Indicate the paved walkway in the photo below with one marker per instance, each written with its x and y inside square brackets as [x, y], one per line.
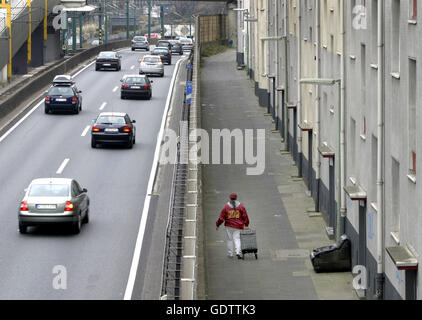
[276, 204]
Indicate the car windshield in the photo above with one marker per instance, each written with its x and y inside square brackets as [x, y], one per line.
[140, 80]
[160, 51]
[107, 55]
[49, 190]
[151, 59]
[139, 39]
[61, 91]
[111, 120]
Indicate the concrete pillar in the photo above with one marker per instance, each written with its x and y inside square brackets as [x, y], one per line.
[3, 74]
[37, 47]
[52, 49]
[19, 61]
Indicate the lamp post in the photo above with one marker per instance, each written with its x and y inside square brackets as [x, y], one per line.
[330, 82]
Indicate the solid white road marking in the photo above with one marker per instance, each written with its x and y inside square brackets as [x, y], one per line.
[103, 105]
[142, 226]
[85, 131]
[115, 88]
[62, 166]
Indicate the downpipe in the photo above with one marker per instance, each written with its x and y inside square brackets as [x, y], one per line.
[317, 105]
[299, 91]
[379, 279]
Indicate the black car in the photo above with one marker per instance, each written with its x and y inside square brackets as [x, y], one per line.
[164, 44]
[140, 42]
[63, 96]
[164, 53]
[108, 60]
[136, 86]
[113, 128]
[176, 47]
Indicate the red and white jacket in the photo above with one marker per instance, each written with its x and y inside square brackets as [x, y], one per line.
[233, 216]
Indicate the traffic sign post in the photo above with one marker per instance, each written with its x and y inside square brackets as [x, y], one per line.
[188, 92]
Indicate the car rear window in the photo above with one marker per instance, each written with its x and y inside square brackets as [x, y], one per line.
[111, 119]
[139, 39]
[160, 51]
[107, 55]
[61, 91]
[140, 80]
[49, 190]
[151, 59]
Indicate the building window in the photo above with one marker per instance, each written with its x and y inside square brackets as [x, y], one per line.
[412, 116]
[363, 73]
[395, 36]
[395, 197]
[413, 9]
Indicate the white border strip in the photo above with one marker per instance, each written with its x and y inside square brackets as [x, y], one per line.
[142, 226]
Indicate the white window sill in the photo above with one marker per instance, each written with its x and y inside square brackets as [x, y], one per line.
[410, 21]
[352, 57]
[374, 66]
[396, 237]
[332, 111]
[363, 137]
[395, 75]
[412, 177]
[352, 180]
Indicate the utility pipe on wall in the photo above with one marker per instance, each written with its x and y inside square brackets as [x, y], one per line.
[286, 83]
[379, 283]
[317, 103]
[299, 89]
[343, 116]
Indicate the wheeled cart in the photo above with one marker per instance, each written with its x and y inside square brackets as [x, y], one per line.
[248, 242]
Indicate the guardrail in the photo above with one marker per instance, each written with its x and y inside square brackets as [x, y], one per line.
[172, 264]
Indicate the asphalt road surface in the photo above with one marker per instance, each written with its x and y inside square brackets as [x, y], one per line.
[97, 261]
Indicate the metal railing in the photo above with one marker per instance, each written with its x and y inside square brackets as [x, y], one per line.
[172, 264]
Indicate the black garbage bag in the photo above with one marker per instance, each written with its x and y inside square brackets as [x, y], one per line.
[333, 258]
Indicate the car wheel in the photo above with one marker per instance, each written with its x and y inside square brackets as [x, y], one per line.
[80, 107]
[149, 97]
[170, 62]
[130, 144]
[23, 228]
[76, 111]
[162, 75]
[93, 143]
[96, 68]
[86, 218]
[76, 226]
[46, 110]
[133, 49]
[122, 96]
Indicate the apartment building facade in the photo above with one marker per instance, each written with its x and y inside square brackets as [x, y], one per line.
[342, 82]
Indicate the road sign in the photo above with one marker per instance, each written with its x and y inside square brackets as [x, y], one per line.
[188, 91]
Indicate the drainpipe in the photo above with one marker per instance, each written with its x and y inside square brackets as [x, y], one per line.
[286, 81]
[275, 84]
[299, 89]
[317, 103]
[267, 48]
[343, 116]
[379, 283]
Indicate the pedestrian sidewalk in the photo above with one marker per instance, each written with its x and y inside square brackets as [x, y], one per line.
[276, 203]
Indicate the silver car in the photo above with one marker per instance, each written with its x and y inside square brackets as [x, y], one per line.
[52, 201]
[151, 64]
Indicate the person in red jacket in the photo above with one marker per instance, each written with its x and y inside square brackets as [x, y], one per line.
[235, 219]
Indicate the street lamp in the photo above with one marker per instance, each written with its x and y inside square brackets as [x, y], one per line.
[331, 82]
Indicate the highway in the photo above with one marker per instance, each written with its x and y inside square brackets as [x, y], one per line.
[97, 260]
